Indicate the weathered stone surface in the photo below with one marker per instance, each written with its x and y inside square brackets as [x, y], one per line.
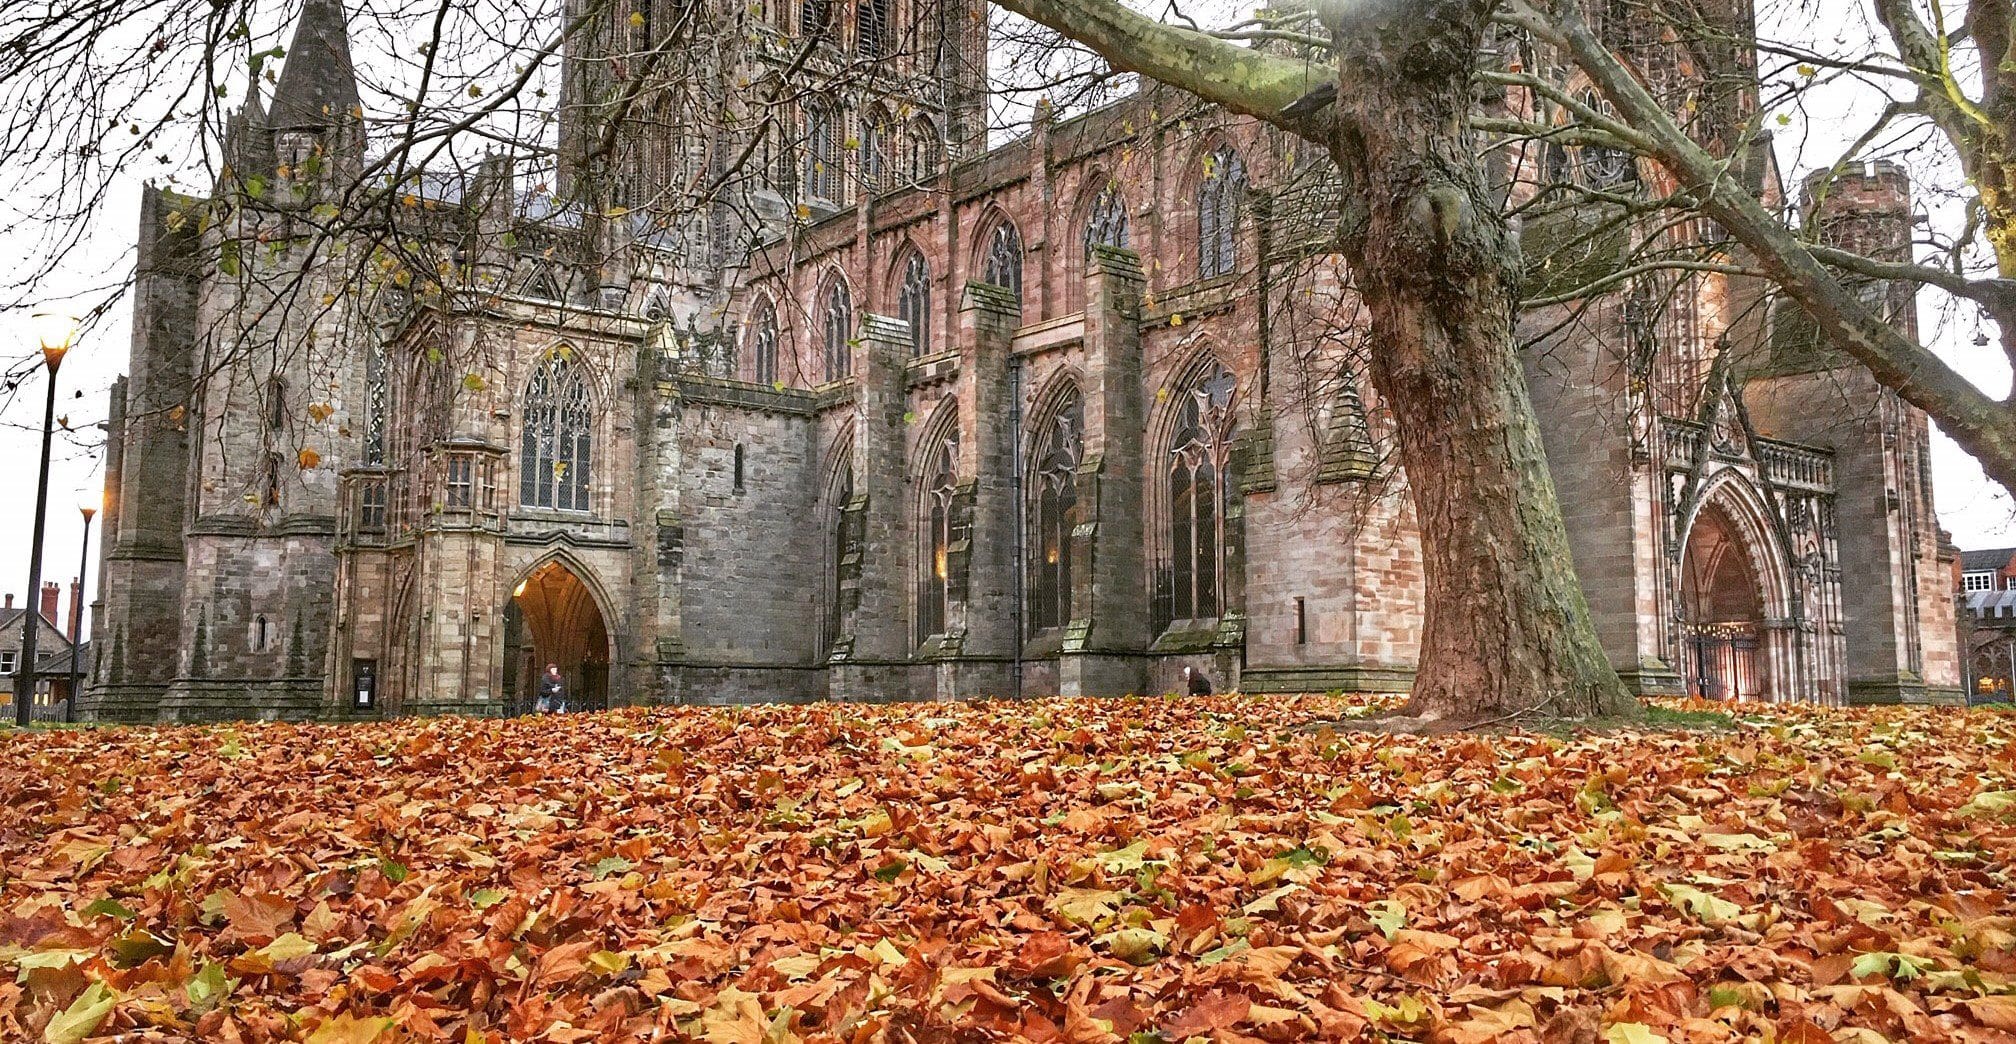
[305, 488]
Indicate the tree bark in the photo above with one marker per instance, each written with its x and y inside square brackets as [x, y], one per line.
[1506, 628]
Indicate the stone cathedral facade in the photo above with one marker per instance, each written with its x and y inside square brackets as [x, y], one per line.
[1068, 414]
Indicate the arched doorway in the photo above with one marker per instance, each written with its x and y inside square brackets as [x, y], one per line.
[552, 617]
[1722, 612]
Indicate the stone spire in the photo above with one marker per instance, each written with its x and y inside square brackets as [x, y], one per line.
[248, 138]
[318, 85]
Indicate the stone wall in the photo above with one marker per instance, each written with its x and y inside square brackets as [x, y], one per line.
[748, 558]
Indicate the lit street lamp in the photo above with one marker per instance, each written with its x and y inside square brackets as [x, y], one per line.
[87, 507]
[56, 333]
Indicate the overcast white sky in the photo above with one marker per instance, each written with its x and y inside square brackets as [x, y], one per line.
[1977, 512]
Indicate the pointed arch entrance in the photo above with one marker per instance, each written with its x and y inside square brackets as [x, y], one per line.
[553, 616]
[1728, 595]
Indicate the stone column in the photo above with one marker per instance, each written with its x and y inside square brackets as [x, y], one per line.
[878, 664]
[1105, 644]
[988, 316]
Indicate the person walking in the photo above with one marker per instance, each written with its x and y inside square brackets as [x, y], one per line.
[552, 691]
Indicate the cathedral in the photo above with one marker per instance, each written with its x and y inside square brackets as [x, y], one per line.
[1077, 412]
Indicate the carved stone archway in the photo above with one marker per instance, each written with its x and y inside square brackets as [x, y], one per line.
[1735, 632]
[554, 615]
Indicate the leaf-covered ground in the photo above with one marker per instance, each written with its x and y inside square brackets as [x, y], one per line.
[1134, 870]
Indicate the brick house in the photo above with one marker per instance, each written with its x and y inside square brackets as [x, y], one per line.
[53, 651]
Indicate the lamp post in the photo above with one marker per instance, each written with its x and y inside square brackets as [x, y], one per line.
[55, 332]
[87, 508]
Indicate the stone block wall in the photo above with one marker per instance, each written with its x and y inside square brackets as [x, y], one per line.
[751, 565]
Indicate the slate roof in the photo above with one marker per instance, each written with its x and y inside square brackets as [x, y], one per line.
[1986, 558]
[318, 83]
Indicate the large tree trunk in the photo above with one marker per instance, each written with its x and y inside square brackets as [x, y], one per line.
[1507, 626]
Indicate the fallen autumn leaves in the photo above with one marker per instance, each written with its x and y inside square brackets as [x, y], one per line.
[1082, 870]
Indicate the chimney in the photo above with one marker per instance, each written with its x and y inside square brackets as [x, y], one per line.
[10, 600]
[52, 594]
[76, 618]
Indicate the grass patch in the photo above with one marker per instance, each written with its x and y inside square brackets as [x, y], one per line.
[1676, 718]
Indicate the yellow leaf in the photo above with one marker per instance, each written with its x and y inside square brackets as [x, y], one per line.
[1708, 908]
[1084, 905]
[309, 459]
[1632, 1033]
[637, 19]
[82, 1017]
[287, 947]
[346, 1029]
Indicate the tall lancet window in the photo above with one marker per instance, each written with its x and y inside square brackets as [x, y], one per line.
[871, 27]
[934, 522]
[922, 147]
[1198, 448]
[877, 137]
[1054, 512]
[1106, 225]
[841, 545]
[822, 153]
[1220, 194]
[815, 18]
[1002, 264]
[763, 344]
[837, 319]
[556, 449]
[913, 302]
[377, 398]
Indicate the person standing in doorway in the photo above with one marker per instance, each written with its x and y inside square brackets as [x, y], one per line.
[552, 691]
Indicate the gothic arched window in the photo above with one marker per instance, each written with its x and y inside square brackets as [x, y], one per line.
[1002, 264]
[763, 343]
[1054, 511]
[1603, 167]
[815, 18]
[822, 152]
[871, 27]
[934, 522]
[874, 161]
[1106, 224]
[556, 448]
[913, 302]
[921, 161]
[1220, 195]
[837, 319]
[1195, 497]
[841, 545]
